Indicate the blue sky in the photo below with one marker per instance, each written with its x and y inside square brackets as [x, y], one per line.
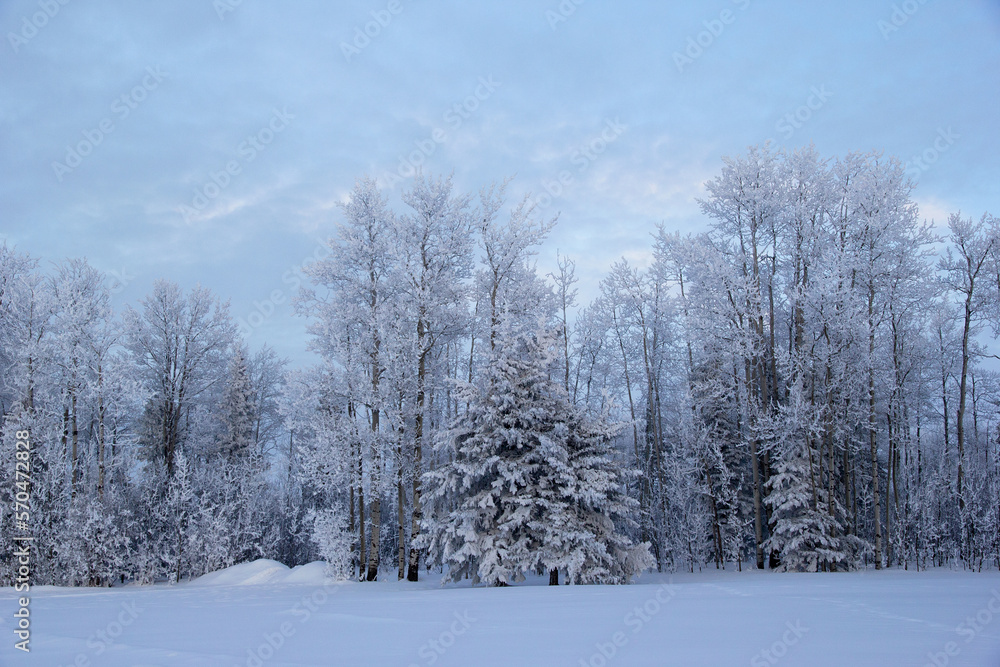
[210, 142]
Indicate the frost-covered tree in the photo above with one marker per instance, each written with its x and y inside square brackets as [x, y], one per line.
[355, 318]
[333, 538]
[807, 535]
[509, 290]
[180, 537]
[744, 204]
[434, 243]
[237, 410]
[101, 515]
[267, 377]
[179, 344]
[594, 543]
[23, 321]
[532, 484]
[79, 345]
[968, 273]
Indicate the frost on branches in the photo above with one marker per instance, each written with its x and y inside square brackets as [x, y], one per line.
[332, 536]
[531, 483]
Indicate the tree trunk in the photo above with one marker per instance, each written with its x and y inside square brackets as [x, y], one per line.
[400, 512]
[413, 569]
[76, 441]
[374, 553]
[758, 527]
[876, 499]
[757, 524]
[872, 429]
[376, 507]
[962, 391]
[714, 508]
[180, 548]
[362, 544]
[100, 433]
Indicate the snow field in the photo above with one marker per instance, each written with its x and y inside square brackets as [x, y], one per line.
[263, 613]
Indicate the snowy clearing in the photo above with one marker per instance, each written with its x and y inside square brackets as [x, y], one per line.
[263, 613]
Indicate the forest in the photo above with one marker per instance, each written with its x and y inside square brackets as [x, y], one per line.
[810, 384]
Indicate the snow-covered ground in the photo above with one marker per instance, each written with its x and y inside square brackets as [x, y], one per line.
[262, 613]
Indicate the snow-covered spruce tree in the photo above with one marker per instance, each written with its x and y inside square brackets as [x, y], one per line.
[801, 534]
[236, 410]
[531, 483]
[806, 535]
[590, 547]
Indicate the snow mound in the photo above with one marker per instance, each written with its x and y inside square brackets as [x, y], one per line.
[264, 571]
[311, 573]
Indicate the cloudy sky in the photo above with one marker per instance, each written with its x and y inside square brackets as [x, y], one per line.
[209, 142]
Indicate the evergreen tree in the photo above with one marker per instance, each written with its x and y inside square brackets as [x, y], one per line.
[590, 546]
[802, 535]
[237, 410]
[808, 533]
[533, 484]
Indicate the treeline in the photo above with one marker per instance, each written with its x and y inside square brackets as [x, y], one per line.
[154, 432]
[803, 386]
[804, 380]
